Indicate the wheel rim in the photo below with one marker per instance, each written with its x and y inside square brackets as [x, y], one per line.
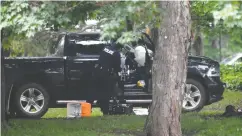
[32, 100]
[192, 97]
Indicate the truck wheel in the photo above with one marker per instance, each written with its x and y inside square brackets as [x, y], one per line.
[31, 101]
[194, 96]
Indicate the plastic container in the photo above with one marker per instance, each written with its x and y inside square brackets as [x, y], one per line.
[86, 109]
[74, 110]
[78, 109]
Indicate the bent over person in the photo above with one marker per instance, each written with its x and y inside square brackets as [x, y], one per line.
[109, 65]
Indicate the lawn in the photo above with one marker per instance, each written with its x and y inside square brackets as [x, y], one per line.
[205, 123]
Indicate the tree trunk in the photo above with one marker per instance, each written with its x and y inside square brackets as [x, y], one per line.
[4, 119]
[154, 35]
[129, 24]
[169, 69]
[198, 43]
[215, 43]
[154, 38]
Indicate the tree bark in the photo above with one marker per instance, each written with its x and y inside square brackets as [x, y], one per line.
[129, 24]
[169, 69]
[154, 37]
[215, 42]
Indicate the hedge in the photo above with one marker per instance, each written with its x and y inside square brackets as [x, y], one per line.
[232, 76]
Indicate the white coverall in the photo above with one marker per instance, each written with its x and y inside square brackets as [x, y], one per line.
[139, 53]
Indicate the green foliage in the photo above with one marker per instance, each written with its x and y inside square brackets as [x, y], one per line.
[206, 16]
[235, 36]
[201, 12]
[231, 43]
[41, 44]
[232, 76]
[25, 18]
[142, 14]
[230, 14]
[29, 17]
[20, 19]
[202, 16]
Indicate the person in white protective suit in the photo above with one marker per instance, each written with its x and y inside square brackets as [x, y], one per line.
[139, 52]
[140, 58]
[140, 55]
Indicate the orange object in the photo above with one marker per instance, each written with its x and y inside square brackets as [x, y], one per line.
[86, 109]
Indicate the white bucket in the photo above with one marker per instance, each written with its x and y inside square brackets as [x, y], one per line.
[141, 111]
[74, 110]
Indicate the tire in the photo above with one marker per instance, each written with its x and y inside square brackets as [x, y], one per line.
[196, 86]
[30, 101]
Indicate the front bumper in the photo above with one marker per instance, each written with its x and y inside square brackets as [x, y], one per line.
[215, 89]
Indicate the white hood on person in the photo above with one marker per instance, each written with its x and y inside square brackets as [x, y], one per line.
[139, 53]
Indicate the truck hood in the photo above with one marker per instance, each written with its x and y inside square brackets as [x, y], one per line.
[193, 60]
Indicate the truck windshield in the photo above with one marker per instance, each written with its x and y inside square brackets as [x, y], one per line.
[85, 44]
[89, 47]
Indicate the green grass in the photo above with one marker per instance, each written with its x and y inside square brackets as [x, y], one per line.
[205, 123]
[230, 97]
[61, 113]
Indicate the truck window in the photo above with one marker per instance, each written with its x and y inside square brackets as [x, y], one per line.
[60, 47]
[87, 45]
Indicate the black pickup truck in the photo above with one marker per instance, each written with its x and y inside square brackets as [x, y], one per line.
[38, 83]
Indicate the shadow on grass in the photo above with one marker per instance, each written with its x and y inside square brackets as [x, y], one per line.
[92, 126]
[219, 117]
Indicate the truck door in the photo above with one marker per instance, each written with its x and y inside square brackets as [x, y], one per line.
[79, 72]
[80, 65]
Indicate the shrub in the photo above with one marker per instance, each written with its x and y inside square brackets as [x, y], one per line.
[232, 76]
